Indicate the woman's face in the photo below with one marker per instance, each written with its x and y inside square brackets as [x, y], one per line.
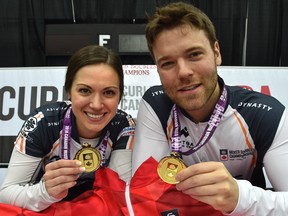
[95, 95]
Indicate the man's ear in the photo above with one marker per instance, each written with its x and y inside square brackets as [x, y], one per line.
[218, 58]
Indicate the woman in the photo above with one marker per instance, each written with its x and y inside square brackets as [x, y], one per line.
[61, 145]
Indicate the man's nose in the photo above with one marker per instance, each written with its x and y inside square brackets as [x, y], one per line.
[184, 68]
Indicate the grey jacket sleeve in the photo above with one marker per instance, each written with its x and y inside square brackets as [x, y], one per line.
[17, 191]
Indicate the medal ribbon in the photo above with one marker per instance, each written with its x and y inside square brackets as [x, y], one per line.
[209, 130]
[66, 135]
[176, 133]
[102, 148]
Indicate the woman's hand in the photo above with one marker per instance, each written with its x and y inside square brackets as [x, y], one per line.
[61, 175]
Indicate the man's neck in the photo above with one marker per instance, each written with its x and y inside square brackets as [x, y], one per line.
[203, 114]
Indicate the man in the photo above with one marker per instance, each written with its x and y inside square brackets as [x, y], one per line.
[207, 141]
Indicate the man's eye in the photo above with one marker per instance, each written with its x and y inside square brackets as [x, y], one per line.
[195, 55]
[167, 65]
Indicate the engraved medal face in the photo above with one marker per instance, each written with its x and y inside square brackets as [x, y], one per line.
[90, 158]
[168, 167]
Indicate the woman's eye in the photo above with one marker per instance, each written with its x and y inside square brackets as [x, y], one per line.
[84, 91]
[109, 93]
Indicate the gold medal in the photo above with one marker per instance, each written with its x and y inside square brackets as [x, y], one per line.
[90, 157]
[168, 167]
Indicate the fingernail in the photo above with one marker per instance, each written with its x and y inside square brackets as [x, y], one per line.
[79, 163]
[82, 169]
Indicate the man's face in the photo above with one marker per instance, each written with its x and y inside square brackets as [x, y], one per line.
[187, 67]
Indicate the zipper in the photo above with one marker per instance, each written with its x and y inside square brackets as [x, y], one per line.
[128, 200]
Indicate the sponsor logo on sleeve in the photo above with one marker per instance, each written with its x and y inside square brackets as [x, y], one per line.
[128, 131]
[32, 122]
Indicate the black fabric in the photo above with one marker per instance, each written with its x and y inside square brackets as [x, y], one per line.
[264, 32]
[228, 17]
[58, 11]
[108, 11]
[284, 41]
[22, 33]
[144, 8]
[22, 27]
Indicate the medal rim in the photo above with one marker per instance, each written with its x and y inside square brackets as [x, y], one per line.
[95, 150]
[162, 161]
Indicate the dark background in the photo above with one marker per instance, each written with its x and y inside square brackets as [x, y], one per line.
[250, 32]
[23, 25]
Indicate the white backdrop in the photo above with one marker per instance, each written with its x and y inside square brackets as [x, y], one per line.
[24, 88]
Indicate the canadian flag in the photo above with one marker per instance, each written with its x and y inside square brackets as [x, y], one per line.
[149, 195]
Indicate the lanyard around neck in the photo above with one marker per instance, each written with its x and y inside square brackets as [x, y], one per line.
[66, 138]
[209, 130]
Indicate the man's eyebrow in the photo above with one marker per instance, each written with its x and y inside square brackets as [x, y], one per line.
[163, 58]
[191, 49]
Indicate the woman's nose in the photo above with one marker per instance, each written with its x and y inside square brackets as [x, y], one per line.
[96, 102]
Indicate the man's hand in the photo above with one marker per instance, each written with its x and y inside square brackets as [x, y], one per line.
[211, 183]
